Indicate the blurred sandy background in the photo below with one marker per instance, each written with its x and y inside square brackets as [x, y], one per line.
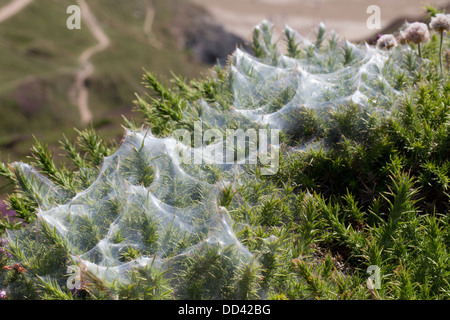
[347, 17]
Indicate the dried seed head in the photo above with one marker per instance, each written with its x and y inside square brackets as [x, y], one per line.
[416, 32]
[387, 41]
[440, 23]
[401, 38]
[18, 268]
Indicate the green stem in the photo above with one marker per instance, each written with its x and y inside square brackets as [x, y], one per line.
[420, 51]
[440, 52]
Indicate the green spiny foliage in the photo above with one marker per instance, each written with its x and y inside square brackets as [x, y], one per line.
[374, 193]
[293, 50]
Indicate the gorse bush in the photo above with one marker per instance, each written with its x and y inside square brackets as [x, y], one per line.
[362, 181]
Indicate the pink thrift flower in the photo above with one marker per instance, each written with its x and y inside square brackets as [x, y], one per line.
[416, 32]
[387, 41]
[440, 23]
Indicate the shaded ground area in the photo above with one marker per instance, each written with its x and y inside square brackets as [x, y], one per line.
[87, 68]
[198, 32]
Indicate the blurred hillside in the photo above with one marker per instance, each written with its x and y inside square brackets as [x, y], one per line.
[347, 17]
[40, 58]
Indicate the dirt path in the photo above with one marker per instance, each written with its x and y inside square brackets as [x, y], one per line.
[87, 69]
[148, 23]
[13, 8]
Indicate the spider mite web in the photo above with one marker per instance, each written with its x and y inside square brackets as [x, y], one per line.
[144, 199]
